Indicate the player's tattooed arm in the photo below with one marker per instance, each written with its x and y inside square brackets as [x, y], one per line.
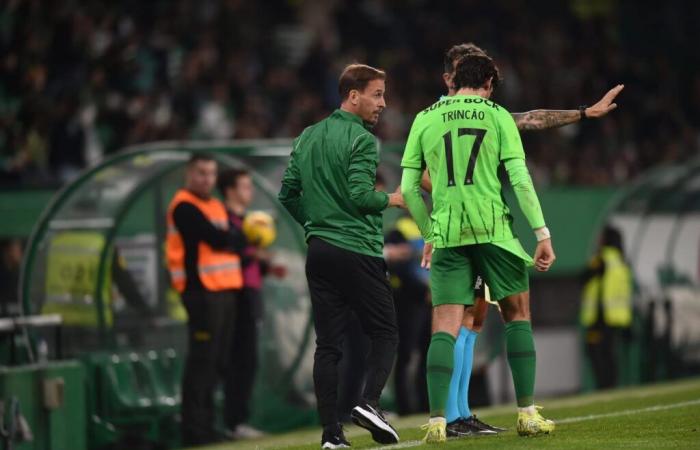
[541, 119]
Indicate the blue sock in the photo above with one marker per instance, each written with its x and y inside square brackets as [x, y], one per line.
[452, 410]
[467, 361]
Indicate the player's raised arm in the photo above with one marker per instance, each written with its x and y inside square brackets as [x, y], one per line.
[540, 119]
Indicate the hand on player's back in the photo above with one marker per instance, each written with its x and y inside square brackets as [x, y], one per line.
[396, 199]
[544, 255]
[605, 104]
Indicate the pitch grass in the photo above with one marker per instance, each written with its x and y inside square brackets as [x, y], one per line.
[655, 417]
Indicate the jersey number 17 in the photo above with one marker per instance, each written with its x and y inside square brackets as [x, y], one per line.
[479, 134]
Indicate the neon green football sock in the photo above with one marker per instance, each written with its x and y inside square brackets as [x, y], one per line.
[521, 356]
[440, 361]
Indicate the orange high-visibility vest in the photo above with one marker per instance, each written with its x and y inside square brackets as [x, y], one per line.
[218, 270]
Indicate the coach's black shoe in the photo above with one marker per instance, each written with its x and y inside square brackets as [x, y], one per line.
[372, 419]
[479, 425]
[333, 437]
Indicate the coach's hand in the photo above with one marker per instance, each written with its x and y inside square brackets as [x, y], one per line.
[396, 199]
[427, 255]
[544, 255]
[605, 104]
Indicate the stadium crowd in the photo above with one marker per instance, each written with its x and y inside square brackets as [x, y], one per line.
[82, 79]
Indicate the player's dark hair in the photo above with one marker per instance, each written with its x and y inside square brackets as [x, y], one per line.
[200, 156]
[229, 178]
[459, 51]
[473, 71]
[357, 77]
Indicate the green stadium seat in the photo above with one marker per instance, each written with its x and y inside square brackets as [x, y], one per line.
[129, 388]
[162, 391]
[136, 394]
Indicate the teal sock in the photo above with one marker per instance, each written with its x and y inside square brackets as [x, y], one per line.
[520, 346]
[440, 361]
[452, 411]
[468, 361]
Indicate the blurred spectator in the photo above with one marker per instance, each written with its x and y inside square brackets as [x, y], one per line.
[72, 281]
[606, 308]
[67, 142]
[10, 261]
[236, 188]
[403, 246]
[80, 79]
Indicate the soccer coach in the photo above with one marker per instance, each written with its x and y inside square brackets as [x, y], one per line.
[328, 188]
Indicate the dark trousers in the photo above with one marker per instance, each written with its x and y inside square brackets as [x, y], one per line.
[601, 342]
[414, 338]
[351, 368]
[238, 386]
[341, 281]
[210, 330]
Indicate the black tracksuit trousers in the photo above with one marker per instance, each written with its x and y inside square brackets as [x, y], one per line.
[340, 281]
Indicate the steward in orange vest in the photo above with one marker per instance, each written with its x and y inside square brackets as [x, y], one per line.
[204, 261]
[201, 265]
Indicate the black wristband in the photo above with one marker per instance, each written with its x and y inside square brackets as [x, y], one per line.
[582, 110]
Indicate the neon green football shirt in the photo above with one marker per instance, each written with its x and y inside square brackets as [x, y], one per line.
[462, 140]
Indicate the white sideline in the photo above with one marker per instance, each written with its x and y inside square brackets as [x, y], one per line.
[629, 412]
[624, 412]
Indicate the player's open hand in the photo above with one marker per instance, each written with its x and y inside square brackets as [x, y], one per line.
[427, 255]
[544, 255]
[605, 104]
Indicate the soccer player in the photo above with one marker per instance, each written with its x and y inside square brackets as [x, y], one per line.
[461, 421]
[328, 188]
[462, 140]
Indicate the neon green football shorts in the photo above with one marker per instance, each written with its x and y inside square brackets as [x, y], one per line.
[453, 272]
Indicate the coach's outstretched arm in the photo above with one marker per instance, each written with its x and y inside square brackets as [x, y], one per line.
[362, 172]
[540, 119]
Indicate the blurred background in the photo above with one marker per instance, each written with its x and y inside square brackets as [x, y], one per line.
[101, 104]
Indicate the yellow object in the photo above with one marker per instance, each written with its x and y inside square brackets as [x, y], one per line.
[534, 424]
[613, 288]
[259, 228]
[437, 432]
[72, 266]
[176, 310]
[408, 228]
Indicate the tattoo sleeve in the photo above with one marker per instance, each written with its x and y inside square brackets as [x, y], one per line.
[541, 119]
